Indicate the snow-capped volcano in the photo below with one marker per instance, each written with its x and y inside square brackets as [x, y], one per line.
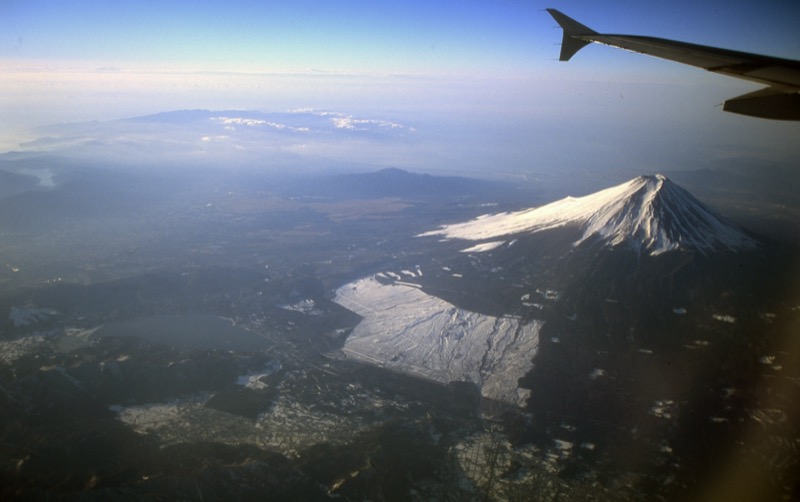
[650, 213]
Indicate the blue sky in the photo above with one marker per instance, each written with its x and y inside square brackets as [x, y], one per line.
[342, 36]
[480, 77]
[359, 35]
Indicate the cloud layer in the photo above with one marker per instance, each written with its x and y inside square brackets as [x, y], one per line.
[232, 137]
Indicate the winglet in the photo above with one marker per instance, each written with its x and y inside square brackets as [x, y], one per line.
[572, 29]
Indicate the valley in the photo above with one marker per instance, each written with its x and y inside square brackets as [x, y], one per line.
[237, 339]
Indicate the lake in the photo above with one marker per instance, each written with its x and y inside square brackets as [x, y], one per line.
[200, 331]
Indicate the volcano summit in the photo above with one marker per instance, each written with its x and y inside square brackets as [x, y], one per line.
[649, 213]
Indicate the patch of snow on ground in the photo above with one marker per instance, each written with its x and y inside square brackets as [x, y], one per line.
[254, 380]
[662, 408]
[407, 330]
[481, 248]
[597, 373]
[549, 294]
[307, 306]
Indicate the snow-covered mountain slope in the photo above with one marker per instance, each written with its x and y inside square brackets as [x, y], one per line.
[407, 330]
[650, 213]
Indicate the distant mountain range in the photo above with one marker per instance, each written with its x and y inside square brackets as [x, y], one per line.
[394, 182]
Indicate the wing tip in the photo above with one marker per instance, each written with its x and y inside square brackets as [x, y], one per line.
[569, 25]
[572, 29]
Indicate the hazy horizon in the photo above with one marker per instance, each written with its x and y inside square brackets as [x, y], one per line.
[479, 82]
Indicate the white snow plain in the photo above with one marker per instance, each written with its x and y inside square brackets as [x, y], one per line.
[407, 330]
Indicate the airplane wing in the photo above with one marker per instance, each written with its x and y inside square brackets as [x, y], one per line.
[779, 100]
